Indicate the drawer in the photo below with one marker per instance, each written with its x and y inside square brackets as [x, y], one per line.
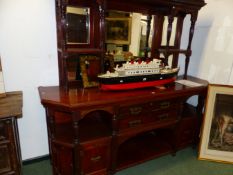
[131, 122]
[133, 110]
[95, 156]
[5, 129]
[162, 116]
[164, 105]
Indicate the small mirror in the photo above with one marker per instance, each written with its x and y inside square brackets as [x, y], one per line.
[78, 25]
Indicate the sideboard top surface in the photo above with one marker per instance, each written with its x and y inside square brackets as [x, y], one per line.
[74, 98]
[11, 104]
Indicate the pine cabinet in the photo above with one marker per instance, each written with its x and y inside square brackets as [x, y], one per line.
[10, 154]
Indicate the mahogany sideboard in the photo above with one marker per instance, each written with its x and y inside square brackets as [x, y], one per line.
[10, 154]
[96, 132]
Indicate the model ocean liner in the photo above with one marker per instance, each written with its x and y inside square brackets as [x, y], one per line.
[138, 74]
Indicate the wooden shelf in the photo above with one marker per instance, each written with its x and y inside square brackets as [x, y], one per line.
[94, 128]
[96, 125]
[140, 149]
[82, 50]
[173, 50]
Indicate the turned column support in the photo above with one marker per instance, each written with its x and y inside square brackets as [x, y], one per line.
[102, 7]
[191, 32]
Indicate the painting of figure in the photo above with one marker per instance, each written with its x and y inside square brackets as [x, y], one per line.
[221, 133]
[217, 130]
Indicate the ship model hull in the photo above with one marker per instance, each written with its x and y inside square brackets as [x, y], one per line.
[137, 81]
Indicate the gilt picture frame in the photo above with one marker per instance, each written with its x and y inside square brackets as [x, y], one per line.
[90, 68]
[217, 129]
[118, 30]
[2, 87]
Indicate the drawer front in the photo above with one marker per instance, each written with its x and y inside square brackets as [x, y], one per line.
[95, 157]
[163, 116]
[130, 122]
[5, 127]
[5, 160]
[133, 111]
[132, 116]
[163, 105]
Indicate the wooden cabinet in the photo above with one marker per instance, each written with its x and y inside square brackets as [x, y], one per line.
[10, 155]
[96, 132]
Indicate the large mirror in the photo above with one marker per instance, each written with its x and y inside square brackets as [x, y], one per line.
[78, 25]
[129, 35]
[126, 35]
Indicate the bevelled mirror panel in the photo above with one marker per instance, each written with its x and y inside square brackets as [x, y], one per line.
[78, 25]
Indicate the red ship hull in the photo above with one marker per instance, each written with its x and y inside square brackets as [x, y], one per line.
[136, 85]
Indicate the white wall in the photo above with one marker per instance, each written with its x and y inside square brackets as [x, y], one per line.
[212, 57]
[29, 58]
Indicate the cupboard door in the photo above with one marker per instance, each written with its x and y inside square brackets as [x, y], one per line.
[187, 131]
[4, 130]
[95, 157]
[5, 160]
[9, 149]
[62, 159]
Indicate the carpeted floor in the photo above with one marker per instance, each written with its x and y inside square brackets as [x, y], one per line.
[184, 163]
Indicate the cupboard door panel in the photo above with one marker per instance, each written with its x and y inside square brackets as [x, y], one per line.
[4, 133]
[5, 161]
[62, 158]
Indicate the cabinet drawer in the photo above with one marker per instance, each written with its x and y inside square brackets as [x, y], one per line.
[5, 129]
[132, 110]
[130, 122]
[163, 116]
[95, 156]
[163, 105]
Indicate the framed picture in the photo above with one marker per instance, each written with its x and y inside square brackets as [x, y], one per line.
[90, 68]
[118, 30]
[217, 130]
[2, 87]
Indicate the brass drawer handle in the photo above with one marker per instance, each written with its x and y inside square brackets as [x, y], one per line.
[96, 158]
[163, 116]
[134, 123]
[135, 110]
[164, 105]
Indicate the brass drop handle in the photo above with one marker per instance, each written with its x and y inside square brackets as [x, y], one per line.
[163, 116]
[164, 105]
[134, 123]
[135, 110]
[96, 158]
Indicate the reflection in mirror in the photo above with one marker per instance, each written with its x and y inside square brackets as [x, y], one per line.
[126, 35]
[78, 22]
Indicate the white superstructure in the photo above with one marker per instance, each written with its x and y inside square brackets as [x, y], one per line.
[139, 68]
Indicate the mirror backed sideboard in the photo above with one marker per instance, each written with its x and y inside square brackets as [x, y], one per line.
[95, 132]
[123, 30]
